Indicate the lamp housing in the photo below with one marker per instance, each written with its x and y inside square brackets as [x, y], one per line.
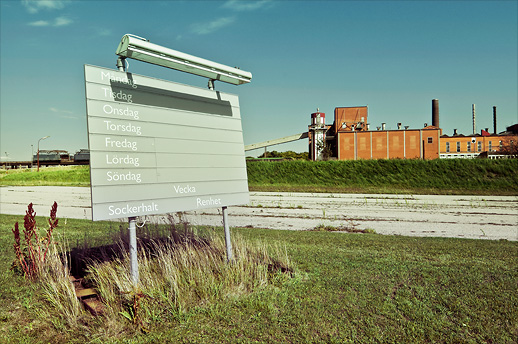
[141, 49]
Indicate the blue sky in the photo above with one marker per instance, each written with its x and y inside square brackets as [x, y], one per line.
[394, 56]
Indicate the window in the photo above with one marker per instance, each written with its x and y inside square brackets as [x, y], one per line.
[479, 146]
[469, 146]
[490, 146]
[458, 146]
[447, 147]
[430, 140]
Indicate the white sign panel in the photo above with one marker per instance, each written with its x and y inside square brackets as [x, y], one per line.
[158, 147]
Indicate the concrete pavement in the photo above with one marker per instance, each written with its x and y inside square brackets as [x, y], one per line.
[475, 217]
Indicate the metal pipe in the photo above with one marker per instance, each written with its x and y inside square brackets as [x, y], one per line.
[474, 115]
[121, 64]
[227, 235]
[133, 249]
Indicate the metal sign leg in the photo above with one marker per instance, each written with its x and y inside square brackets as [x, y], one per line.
[133, 249]
[227, 235]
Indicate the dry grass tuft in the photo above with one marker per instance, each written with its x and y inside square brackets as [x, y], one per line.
[177, 276]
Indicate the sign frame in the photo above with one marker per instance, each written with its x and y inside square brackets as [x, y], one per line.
[157, 146]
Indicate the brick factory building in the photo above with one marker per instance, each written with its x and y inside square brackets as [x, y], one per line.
[485, 144]
[350, 138]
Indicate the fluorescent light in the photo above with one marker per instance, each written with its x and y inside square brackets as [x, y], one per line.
[140, 49]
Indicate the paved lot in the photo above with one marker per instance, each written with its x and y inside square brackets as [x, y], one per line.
[476, 217]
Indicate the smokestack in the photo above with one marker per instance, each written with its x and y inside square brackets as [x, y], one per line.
[435, 112]
[494, 119]
[474, 125]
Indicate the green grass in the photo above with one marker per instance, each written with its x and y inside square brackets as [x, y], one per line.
[347, 288]
[454, 176]
[59, 176]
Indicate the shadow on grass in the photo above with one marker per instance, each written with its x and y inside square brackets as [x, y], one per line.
[149, 238]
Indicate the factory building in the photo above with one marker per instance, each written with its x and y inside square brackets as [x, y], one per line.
[485, 144]
[350, 138]
[489, 145]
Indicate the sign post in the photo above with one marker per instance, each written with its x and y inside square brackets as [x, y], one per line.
[132, 221]
[228, 243]
[133, 249]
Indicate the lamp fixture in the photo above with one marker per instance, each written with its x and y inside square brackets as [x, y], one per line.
[139, 48]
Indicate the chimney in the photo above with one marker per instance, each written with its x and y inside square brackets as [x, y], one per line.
[399, 126]
[383, 126]
[473, 112]
[368, 126]
[494, 120]
[435, 112]
[454, 132]
[406, 127]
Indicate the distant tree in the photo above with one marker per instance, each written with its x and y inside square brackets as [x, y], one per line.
[509, 146]
[326, 150]
[286, 155]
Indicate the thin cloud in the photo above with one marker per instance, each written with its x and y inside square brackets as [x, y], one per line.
[34, 6]
[62, 21]
[210, 27]
[39, 23]
[68, 117]
[103, 32]
[59, 21]
[241, 5]
[53, 109]
[64, 113]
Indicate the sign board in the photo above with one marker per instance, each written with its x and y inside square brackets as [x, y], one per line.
[158, 146]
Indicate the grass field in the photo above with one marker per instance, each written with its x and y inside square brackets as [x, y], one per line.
[453, 176]
[59, 176]
[346, 288]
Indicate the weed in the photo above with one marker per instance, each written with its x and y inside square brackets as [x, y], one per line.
[57, 288]
[31, 255]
